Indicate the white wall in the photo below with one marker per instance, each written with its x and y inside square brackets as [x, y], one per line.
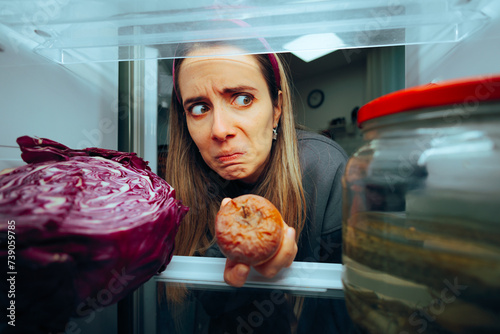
[477, 55]
[347, 87]
[344, 89]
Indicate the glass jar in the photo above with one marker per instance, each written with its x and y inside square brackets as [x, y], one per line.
[421, 216]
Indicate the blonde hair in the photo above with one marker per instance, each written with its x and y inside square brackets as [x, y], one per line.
[202, 190]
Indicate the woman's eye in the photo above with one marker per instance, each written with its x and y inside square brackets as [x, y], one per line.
[199, 109]
[243, 100]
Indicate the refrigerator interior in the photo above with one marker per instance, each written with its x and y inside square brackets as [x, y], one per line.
[96, 73]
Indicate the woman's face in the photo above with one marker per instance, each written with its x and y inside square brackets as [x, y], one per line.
[229, 113]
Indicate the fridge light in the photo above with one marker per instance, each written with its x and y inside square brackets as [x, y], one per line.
[313, 46]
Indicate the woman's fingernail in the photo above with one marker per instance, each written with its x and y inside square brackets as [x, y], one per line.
[291, 233]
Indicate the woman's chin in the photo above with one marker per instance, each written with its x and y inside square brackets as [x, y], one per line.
[240, 175]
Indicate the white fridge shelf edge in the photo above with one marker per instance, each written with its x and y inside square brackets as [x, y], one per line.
[302, 277]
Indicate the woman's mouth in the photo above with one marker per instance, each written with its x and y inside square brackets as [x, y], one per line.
[229, 157]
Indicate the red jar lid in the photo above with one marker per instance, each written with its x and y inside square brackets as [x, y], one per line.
[467, 92]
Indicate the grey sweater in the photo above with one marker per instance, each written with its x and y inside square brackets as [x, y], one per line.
[323, 163]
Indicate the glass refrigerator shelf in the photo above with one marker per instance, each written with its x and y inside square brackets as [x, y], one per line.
[108, 30]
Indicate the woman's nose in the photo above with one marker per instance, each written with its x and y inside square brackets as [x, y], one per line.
[222, 126]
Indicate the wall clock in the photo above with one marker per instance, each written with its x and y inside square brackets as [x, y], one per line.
[315, 98]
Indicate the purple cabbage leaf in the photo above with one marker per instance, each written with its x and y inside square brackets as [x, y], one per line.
[91, 226]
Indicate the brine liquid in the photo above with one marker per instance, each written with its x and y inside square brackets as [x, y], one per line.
[405, 275]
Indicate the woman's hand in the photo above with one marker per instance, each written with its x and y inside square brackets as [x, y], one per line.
[235, 274]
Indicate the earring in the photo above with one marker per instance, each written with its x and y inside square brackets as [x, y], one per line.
[275, 132]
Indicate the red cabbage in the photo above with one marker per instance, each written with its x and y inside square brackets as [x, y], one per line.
[91, 226]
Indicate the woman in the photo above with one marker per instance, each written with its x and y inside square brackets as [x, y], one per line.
[232, 132]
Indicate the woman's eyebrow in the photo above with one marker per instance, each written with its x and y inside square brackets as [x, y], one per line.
[193, 100]
[229, 90]
[239, 89]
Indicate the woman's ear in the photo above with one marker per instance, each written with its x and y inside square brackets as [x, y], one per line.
[277, 110]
